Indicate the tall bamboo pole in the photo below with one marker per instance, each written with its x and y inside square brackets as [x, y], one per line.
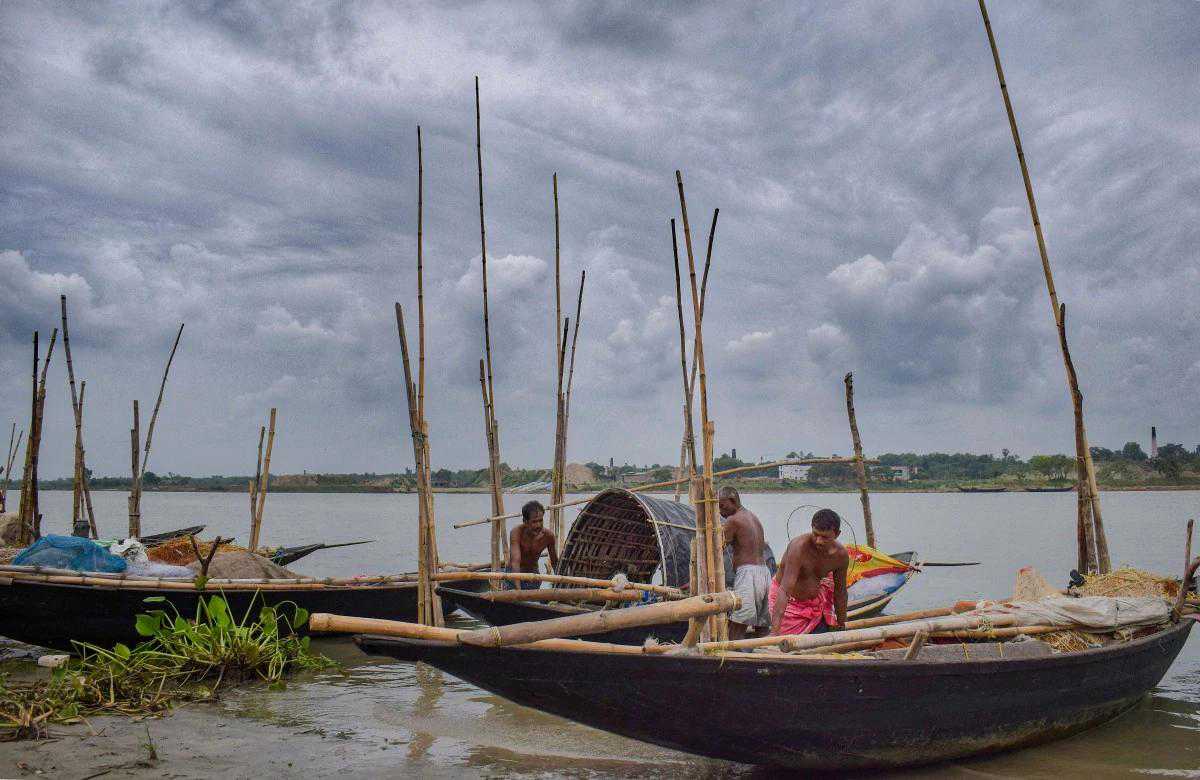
[77, 528]
[84, 488]
[8, 464]
[556, 476]
[27, 471]
[256, 529]
[860, 468]
[1089, 475]
[257, 481]
[135, 504]
[498, 525]
[135, 495]
[499, 540]
[1089, 560]
[689, 436]
[571, 362]
[711, 535]
[31, 521]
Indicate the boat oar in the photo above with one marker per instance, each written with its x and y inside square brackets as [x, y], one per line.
[923, 564]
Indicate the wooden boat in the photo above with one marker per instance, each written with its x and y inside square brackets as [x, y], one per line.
[50, 608]
[283, 556]
[154, 540]
[1067, 489]
[640, 536]
[813, 713]
[968, 489]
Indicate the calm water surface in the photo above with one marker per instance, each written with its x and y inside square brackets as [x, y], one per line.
[412, 720]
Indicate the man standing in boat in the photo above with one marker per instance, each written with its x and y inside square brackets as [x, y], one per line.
[527, 542]
[752, 579]
[808, 592]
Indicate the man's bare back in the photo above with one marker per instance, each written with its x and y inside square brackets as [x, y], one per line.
[744, 534]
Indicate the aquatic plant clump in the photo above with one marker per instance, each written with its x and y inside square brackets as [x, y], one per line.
[176, 662]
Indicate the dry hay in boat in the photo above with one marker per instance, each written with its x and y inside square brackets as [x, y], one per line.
[8, 553]
[1128, 581]
[179, 552]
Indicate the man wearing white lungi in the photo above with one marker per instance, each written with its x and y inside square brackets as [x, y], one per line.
[752, 579]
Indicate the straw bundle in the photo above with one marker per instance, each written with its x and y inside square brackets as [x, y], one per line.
[179, 552]
[1128, 581]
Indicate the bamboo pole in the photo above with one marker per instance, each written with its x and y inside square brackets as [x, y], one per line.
[158, 405]
[895, 631]
[602, 621]
[254, 484]
[557, 579]
[672, 482]
[135, 439]
[135, 494]
[562, 594]
[860, 468]
[1090, 561]
[1101, 541]
[712, 231]
[84, 487]
[556, 476]
[27, 471]
[1187, 564]
[689, 435]
[8, 464]
[77, 476]
[714, 580]
[30, 512]
[256, 529]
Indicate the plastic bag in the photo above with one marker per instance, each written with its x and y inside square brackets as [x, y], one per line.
[70, 552]
[131, 550]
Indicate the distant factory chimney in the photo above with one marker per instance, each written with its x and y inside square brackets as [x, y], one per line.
[1153, 442]
[735, 453]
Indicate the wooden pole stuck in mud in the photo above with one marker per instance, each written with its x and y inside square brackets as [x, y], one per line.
[1088, 474]
[79, 527]
[860, 468]
[257, 481]
[84, 489]
[29, 511]
[263, 485]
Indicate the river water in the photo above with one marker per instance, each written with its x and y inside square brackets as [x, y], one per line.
[404, 720]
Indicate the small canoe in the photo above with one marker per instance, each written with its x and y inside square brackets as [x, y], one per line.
[154, 540]
[814, 713]
[963, 489]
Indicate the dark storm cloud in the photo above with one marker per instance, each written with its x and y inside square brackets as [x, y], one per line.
[249, 168]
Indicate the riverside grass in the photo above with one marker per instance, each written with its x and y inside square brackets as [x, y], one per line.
[181, 660]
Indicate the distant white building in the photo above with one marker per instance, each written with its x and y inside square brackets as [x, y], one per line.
[794, 472]
[896, 473]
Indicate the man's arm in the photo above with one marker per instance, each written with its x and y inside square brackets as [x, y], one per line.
[787, 582]
[552, 549]
[514, 551]
[839, 592]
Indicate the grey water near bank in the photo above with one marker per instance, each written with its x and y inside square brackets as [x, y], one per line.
[381, 719]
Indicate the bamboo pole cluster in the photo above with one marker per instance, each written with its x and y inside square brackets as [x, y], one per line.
[81, 497]
[31, 516]
[499, 546]
[14, 446]
[261, 482]
[138, 463]
[429, 605]
[1092, 541]
[860, 468]
[710, 545]
[565, 376]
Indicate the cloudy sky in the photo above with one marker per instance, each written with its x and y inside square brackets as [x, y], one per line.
[249, 168]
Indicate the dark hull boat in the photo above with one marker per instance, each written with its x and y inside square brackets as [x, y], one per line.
[812, 713]
[53, 614]
[962, 489]
[154, 540]
[1067, 489]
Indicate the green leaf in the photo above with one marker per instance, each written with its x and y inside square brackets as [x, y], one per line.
[148, 625]
[121, 651]
[154, 599]
[300, 619]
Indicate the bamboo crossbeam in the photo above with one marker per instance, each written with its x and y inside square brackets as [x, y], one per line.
[602, 621]
[673, 482]
[562, 594]
[407, 577]
[558, 579]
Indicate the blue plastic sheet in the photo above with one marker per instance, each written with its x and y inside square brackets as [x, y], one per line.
[70, 552]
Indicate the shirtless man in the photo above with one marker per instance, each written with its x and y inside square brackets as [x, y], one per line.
[808, 592]
[526, 543]
[752, 578]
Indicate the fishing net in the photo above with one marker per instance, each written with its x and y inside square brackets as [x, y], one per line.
[179, 552]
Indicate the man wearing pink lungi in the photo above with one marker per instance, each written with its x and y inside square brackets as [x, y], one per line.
[808, 591]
